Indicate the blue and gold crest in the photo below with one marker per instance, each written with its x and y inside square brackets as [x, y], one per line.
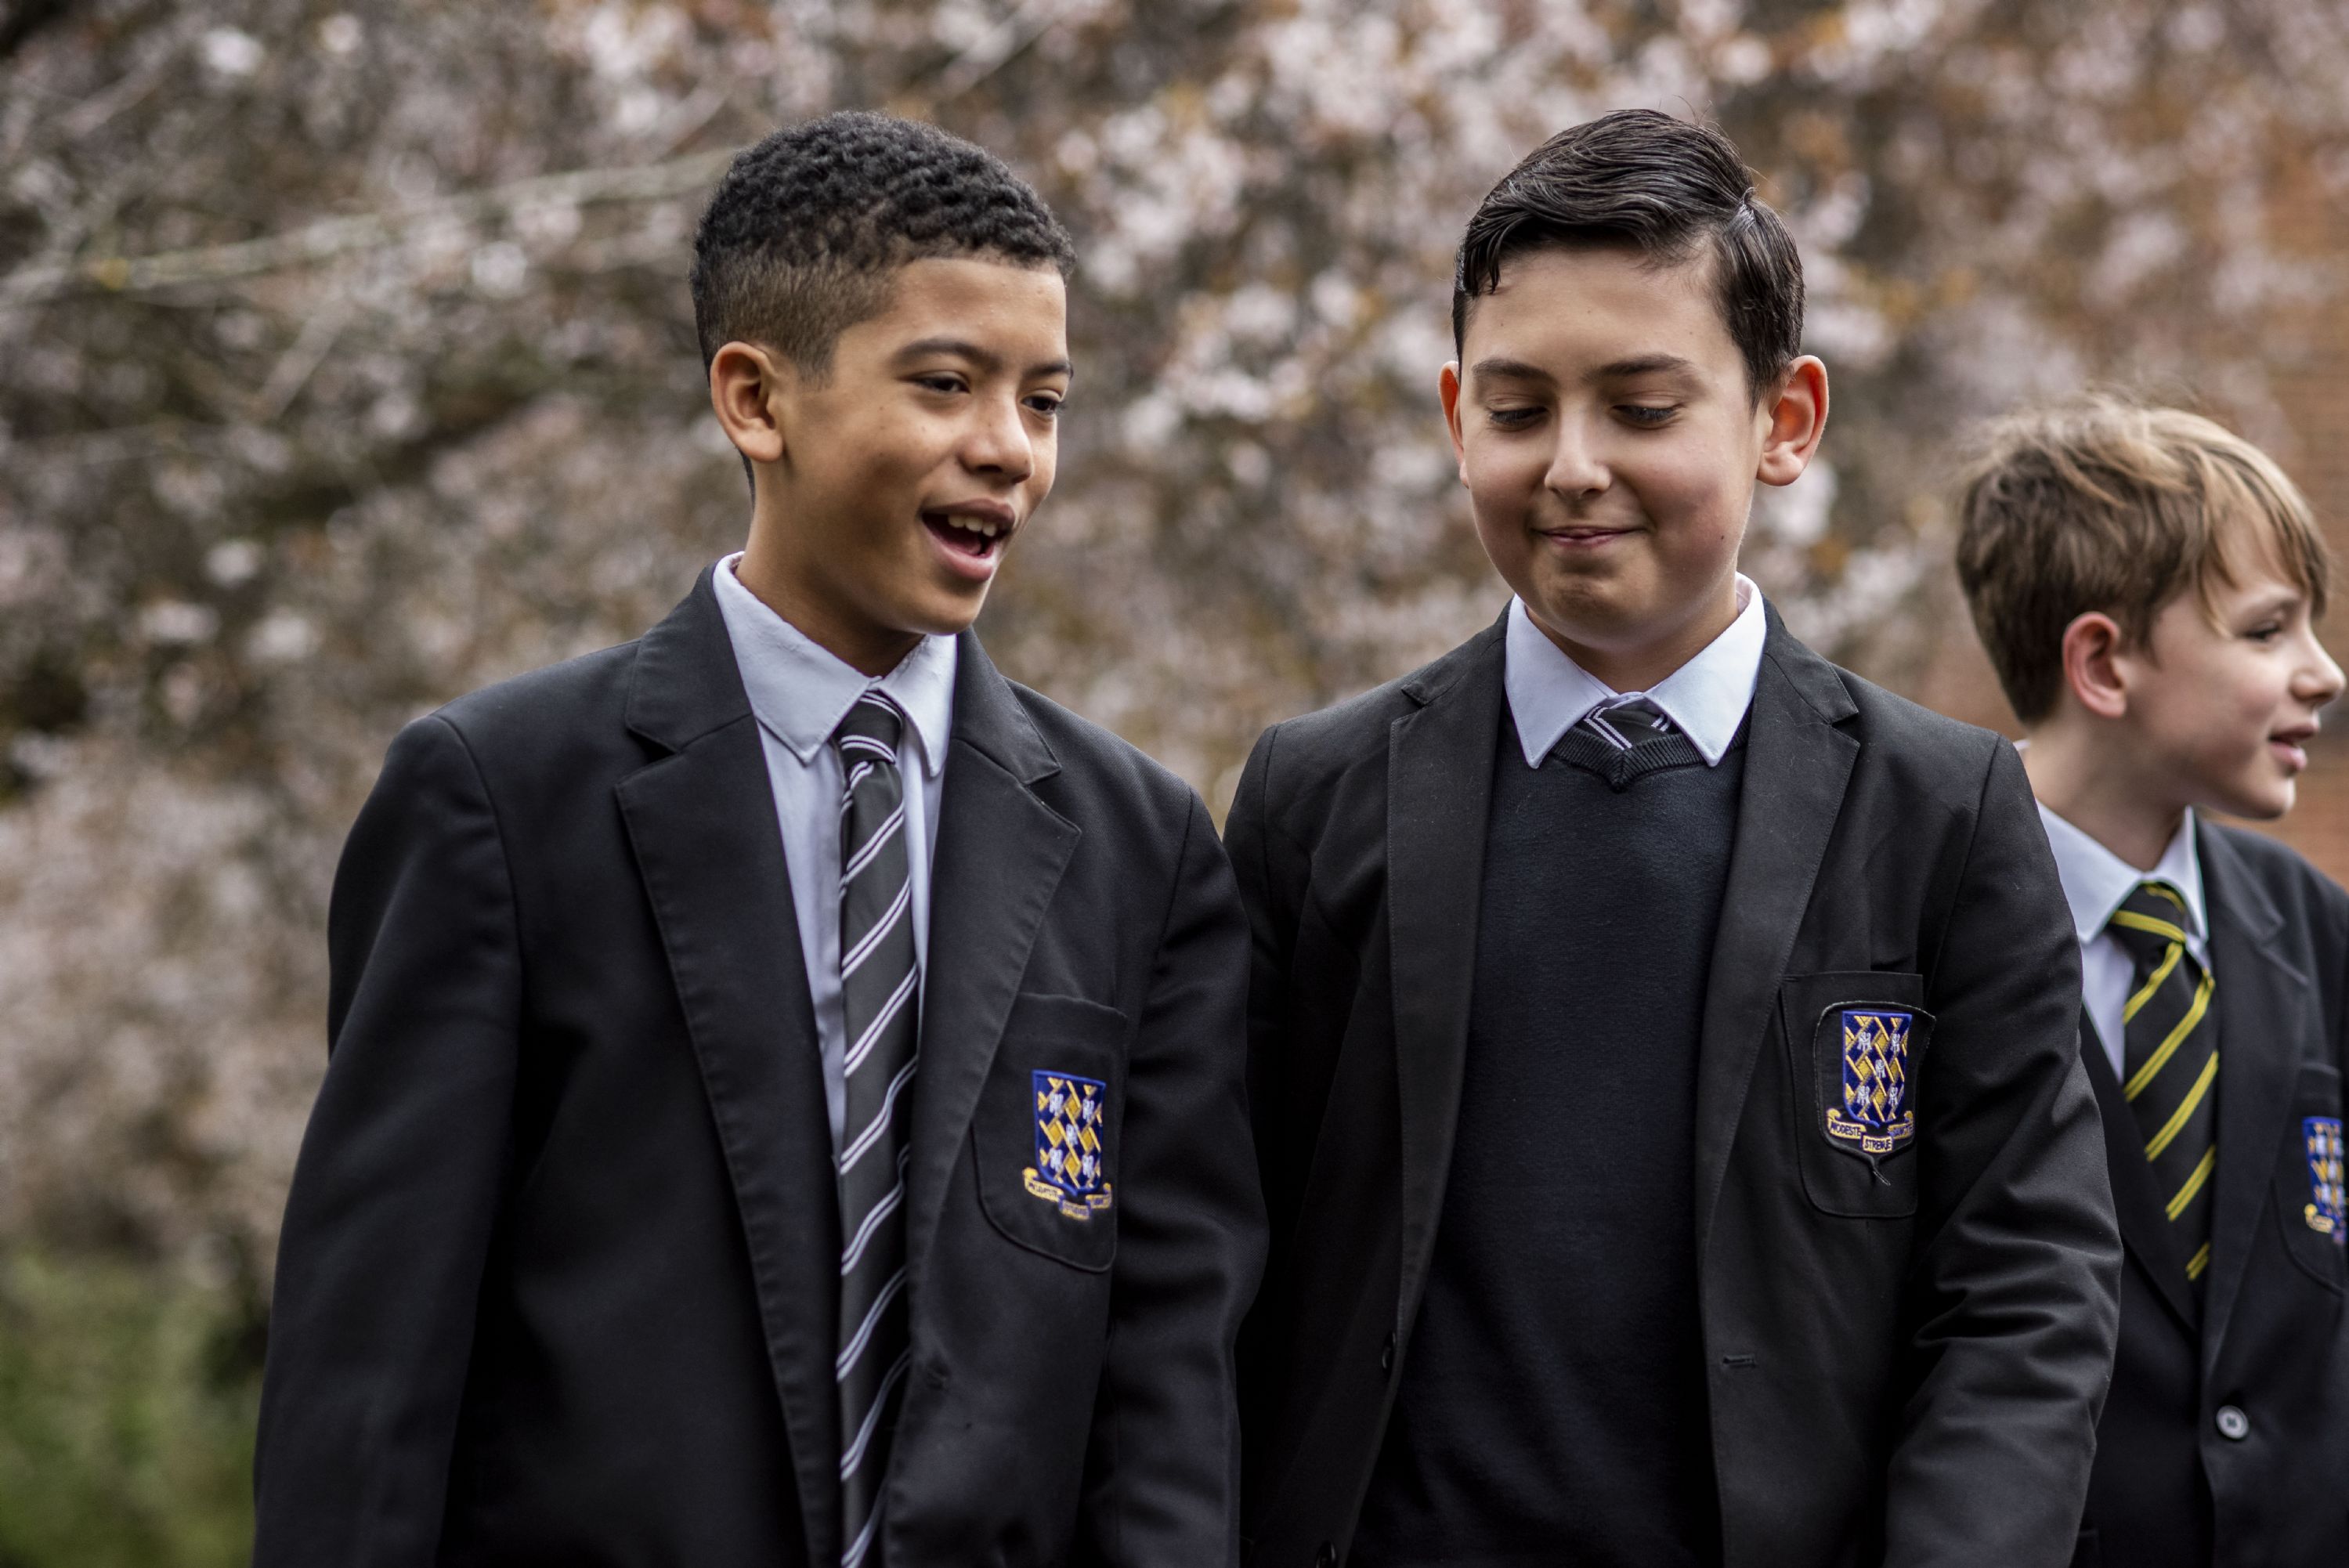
[1875, 1117]
[1072, 1144]
[2326, 1206]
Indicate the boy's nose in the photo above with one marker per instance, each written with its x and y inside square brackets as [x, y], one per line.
[1574, 467]
[2320, 679]
[998, 443]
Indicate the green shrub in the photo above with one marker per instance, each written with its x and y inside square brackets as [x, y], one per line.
[127, 1401]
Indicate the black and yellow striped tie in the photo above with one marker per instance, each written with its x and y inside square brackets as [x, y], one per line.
[2169, 1062]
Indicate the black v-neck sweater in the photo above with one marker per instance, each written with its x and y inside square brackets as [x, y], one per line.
[1552, 1408]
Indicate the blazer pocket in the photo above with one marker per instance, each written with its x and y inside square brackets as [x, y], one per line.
[1855, 1042]
[1046, 1134]
[2308, 1191]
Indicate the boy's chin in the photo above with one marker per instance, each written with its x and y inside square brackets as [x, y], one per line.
[944, 613]
[2254, 799]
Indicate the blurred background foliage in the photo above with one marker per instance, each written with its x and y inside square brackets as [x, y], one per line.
[346, 364]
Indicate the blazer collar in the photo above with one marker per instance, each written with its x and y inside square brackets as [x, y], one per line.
[702, 819]
[701, 822]
[686, 682]
[2137, 1203]
[1799, 762]
[2263, 1003]
[1439, 799]
[1001, 851]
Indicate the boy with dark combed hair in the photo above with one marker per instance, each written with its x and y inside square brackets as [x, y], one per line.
[786, 1096]
[1663, 1045]
[2147, 585]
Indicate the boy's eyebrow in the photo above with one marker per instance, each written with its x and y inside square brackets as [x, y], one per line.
[985, 359]
[1511, 369]
[1620, 369]
[1643, 364]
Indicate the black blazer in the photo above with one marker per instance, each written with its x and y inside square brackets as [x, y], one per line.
[558, 1275]
[1904, 1368]
[2179, 1479]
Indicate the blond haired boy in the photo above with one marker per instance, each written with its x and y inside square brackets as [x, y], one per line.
[2146, 584]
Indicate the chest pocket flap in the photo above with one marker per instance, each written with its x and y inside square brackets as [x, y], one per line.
[1047, 1133]
[1856, 1045]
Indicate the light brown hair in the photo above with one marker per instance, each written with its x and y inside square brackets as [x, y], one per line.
[2105, 504]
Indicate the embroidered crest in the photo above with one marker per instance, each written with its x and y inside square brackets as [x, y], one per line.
[2326, 1207]
[1875, 1117]
[1071, 1151]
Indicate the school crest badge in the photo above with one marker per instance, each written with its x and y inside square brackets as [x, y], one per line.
[2327, 1210]
[1071, 1147]
[1875, 1117]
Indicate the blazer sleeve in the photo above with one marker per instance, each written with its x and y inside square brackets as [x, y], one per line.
[397, 1188]
[2014, 1303]
[1252, 837]
[1162, 1486]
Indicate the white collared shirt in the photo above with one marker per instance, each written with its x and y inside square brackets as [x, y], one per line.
[2096, 881]
[1706, 697]
[800, 693]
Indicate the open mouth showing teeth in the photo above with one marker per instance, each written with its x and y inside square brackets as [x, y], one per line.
[966, 533]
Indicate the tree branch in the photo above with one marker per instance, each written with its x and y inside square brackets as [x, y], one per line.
[333, 237]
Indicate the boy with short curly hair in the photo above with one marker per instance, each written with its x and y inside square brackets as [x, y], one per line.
[2148, 584]
[786, 1102]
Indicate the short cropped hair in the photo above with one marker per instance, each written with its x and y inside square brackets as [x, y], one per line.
[806, 231]
[2101, 503]
[1667, 189]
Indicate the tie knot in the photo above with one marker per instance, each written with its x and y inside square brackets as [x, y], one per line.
[1629, 723]
[2149, 921]
[872, 728]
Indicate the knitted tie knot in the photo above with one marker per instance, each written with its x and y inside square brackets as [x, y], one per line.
[2149, 921]
[1630, 723]
[872, 727]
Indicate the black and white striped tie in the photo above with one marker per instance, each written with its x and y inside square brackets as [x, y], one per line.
[878, 979]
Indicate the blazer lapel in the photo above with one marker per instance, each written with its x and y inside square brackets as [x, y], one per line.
[1796, 766]
[1001, 853]
[703, 830]
[1439, 798]
[702, 822]
[2261, 1000]
[2144, 1227]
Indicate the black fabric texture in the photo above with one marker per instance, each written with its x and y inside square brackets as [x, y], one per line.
[1911, 1377]
[2268, 1336]
[1552, 1408]
[559, 1277]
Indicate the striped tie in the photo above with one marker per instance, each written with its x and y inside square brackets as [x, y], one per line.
[878, 979]
[1626, 741]
[2169, 1060]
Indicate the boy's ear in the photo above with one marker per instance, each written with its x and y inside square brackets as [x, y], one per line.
[747, 387]
[2092, 661]
[1798, 418]
[1447, 387]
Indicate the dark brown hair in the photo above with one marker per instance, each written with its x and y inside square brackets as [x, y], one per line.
[1666, 189]
[807, 230]
[2105, 504]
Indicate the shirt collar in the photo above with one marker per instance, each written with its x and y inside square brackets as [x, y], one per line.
[800, 691]
[2096, 880]
[1706, 697]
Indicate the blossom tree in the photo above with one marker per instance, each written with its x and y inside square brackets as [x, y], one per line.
[348, 364]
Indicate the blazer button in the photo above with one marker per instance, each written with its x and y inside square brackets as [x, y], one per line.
[1327, 1557]
[2233, 1425]
[1386, 1360]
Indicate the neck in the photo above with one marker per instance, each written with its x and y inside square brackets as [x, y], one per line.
[795, 590]
[2076, 775]
[1640, 667]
